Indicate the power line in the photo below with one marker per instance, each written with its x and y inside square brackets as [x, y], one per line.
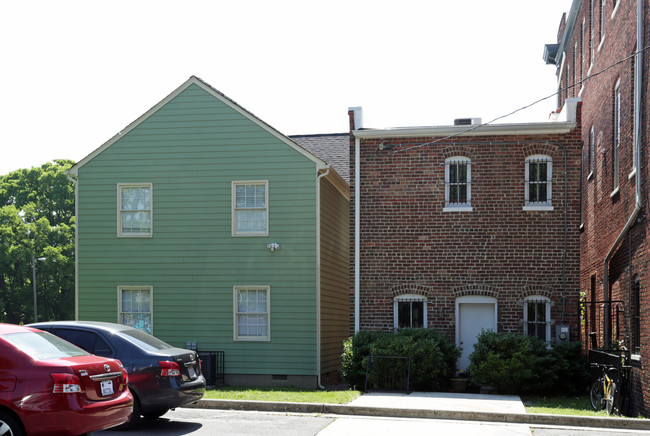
[591, 76]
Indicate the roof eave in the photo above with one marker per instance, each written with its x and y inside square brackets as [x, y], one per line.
[320, 164]
[547, 128]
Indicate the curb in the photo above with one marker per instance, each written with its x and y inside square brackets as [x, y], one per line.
[345, 409]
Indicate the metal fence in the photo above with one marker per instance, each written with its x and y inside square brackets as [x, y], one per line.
[212, 366]
[388, 374]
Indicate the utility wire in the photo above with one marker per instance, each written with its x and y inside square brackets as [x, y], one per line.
[523, 107]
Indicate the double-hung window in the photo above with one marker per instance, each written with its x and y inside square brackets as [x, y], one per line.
[250, 208]
[539, 183]
[617, 136]
[458, 184]
[537, 317]
[135, 307]
[410, 311]
[592, 153]
[635, 341]
[252, 306]
[135, 210]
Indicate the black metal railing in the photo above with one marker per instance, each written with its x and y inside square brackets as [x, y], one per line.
[604, 323]
[212, 366]
[388, 374]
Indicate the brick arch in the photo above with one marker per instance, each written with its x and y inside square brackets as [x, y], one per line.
[482, 290]
[540, 148]
[411, 288]
[457, 150]
[542, 291]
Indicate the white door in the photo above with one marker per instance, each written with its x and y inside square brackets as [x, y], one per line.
[473, 314]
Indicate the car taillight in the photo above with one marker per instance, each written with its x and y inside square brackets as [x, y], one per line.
[125, 375]
[66, 384]
[169, 369]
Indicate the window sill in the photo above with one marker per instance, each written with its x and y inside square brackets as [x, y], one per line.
[458, 209]
[614, 192]
[249, 235]
[252, 339]
[632, 174]
[538, 208]
[602, 42]
[635, 357]
[590, 176]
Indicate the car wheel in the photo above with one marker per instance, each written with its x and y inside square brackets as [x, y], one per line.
[9, 426]
[154, 415]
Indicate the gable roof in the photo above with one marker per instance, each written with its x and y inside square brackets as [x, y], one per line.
[333, 148]
[193, 80]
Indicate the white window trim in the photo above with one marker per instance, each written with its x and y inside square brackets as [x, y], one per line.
[592, 153]
[120, 234]
[234, 209]
[235, 330]
[603, 22]
[547, 301]
[409, 298]
[458, 207]
[618, 2]
[539, 206]
[134, 288]
[616, 172]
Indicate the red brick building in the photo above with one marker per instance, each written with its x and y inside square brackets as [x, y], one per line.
[462, 228]
[600, 57]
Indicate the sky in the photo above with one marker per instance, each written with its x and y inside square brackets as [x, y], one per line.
[75, 73]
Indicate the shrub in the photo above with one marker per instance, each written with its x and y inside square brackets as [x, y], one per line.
[520, 364]
[433, 356]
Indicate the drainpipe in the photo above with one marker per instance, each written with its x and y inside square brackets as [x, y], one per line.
[318, 278]
[357, 215]
[638, 71]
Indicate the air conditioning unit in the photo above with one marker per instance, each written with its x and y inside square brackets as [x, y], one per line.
[467, 121]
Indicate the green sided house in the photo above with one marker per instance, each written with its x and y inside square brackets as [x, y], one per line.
[201, 224]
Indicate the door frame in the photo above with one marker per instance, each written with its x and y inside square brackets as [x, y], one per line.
[476, 299]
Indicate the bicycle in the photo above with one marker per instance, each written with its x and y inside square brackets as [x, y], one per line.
[604, 392]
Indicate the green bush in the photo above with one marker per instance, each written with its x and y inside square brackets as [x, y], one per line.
[520, 364]
[433, 356]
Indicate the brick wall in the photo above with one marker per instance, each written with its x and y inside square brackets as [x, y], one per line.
[410, 245]
[606, 210]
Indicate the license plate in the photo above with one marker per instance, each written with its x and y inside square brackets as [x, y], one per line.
[107, 387]
[191, 371]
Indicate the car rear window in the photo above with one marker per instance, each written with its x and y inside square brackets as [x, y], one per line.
[43, 346]
[145, 340]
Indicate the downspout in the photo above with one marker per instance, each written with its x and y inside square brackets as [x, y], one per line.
[318, 278]
[76, 246]
[638, 71]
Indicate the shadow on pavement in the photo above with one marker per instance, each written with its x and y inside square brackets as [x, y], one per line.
[160, 426]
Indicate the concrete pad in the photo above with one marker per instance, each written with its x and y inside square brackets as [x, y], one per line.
[443, 401]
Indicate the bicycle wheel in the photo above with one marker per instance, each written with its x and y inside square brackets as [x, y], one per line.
[597, 394]
[611, 397]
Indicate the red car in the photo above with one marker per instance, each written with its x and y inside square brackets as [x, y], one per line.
[49, 386]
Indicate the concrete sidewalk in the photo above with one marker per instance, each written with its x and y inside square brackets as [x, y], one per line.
[435, 405]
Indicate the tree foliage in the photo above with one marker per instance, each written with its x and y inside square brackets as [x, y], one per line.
[36, 221]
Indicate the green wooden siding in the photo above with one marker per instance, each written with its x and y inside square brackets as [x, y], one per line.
[191, 150]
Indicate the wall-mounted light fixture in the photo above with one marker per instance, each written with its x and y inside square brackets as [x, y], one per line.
[273, 246]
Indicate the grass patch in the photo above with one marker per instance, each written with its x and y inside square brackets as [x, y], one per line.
[573, 405]
[286, 394]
